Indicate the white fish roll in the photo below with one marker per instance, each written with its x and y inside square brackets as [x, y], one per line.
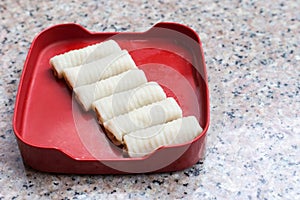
[130, 79]
[145, 141]
[100, 69]
[146, 116]
[123, 102]
[84, 55]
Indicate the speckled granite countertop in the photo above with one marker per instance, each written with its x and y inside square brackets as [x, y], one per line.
[252, 51]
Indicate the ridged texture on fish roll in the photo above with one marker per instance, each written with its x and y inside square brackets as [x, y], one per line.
[146, 116]
[100, 69]
[145, 141]
[123, 102]
[130, 79]
[84, 55]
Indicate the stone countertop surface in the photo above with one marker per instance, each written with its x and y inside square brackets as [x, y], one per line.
[252, 52]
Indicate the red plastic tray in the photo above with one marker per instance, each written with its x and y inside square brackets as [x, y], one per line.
[55, 135]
